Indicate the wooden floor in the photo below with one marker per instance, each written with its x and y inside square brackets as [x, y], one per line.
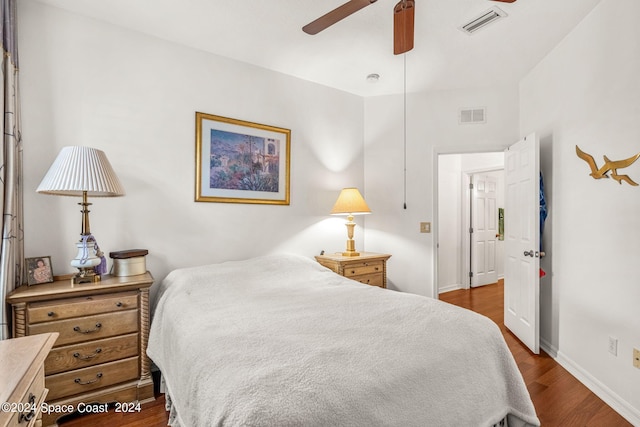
[559, 398]
[151, 415]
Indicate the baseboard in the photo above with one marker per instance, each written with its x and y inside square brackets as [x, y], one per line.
[618, 404]
[449, 288]
[548, 348]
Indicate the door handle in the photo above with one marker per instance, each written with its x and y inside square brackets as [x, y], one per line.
[529, 253]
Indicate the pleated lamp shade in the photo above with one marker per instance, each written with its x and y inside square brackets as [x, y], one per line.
[79, 169]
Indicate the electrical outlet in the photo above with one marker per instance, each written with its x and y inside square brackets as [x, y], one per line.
[613, 346]
[425, 227]
[636, 358]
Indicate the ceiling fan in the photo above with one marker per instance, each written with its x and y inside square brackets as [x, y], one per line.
[403, 18]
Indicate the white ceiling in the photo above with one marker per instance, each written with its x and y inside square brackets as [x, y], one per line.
[268, 33]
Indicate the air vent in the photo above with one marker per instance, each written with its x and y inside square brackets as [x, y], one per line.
[483, 20]
[473, 115]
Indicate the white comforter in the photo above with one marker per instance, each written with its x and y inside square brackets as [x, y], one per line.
[282, 341]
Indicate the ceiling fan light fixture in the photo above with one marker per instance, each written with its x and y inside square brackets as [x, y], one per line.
[484, 19]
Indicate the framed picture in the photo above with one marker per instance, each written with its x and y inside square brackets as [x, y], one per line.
[39, 270]
[241, 162]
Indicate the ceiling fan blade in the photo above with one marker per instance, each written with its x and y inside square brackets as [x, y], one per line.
[403, 18]
[505, 1]
[335, 15]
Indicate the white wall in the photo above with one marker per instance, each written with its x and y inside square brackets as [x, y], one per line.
[586, 92]
[432, 128]
[88, 83]
[450, 220]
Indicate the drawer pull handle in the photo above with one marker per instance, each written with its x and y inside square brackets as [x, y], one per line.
[26, 417]
[79, 381]
[29, 415]
[353, 272]
[119, 304]
[88, 356]
[88, 331]
[50, 314]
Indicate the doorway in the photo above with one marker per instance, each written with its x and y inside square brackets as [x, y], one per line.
[469, 251]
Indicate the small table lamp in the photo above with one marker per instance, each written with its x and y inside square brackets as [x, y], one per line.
[82, 171]
[350, 202]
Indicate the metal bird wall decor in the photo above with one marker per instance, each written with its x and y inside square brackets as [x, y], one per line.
[608, 166]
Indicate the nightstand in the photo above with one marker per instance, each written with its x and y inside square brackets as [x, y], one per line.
[22, 379]
[100, 354]
[368, 267]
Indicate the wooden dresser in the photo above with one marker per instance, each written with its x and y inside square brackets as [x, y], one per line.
[22, 389]
[368, 267]
[100, 354]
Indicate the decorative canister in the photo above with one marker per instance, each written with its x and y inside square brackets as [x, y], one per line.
[129, 262]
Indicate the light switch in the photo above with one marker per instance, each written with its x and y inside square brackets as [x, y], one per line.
[425, 227]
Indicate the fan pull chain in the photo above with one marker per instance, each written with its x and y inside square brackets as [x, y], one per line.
[405, 130]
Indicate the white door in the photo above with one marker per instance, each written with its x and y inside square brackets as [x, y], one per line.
[522, 241]
[484, 229]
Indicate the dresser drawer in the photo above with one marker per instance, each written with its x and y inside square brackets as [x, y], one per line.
[28, 407]
[89, 327]
[91, 353]
[370, 279]
[360, 268]
[95, 377]
[81, 306]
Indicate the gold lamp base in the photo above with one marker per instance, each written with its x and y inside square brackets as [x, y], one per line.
[85, 275]
[351, 248]
[351, 244]
[354, 253]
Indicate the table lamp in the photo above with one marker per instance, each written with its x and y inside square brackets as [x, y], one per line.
[82, 172]
[350, 202]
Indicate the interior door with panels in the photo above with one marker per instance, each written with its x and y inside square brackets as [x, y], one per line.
[522, 241]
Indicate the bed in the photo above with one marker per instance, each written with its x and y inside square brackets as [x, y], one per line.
[281, 341]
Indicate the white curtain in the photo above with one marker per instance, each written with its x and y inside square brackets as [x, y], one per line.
[11, 204]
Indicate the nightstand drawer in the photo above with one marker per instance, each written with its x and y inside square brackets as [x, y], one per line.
[369, 267]
[89, 327]
[86, 379]
[91, 353]
[81, 306]
[32, 400]
[371, 279]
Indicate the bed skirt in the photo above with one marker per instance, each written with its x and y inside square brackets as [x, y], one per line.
[174, 418]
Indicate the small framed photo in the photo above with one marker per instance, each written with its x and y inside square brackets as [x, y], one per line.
[39, 270]
[241, 162]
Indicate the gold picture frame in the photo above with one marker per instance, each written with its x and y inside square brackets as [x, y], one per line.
[241, 162]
